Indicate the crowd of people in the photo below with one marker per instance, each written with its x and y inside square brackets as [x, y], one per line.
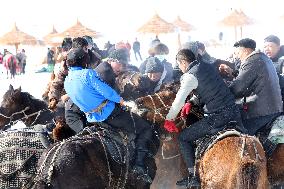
[247, 90]
[13, 64]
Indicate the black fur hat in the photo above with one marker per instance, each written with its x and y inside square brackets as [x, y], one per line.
[246, 43]
[66, 44]
[77, 57]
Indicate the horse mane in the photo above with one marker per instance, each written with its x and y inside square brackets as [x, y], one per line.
[172, 86]
[34, 102]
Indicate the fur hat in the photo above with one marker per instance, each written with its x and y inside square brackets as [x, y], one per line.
[153, 65]
[120, 55]
[273, 39]
[89, 40]
[76, 57]
[246, 43]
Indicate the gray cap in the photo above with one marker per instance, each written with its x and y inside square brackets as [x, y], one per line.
[119, 54]
[153, 65]
[193, 46]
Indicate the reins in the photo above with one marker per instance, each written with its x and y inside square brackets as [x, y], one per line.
[26, 116]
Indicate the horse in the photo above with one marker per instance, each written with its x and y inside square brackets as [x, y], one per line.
[95, 157]
[132, 85]
[234, 161]
[22, 147]
[21, 106]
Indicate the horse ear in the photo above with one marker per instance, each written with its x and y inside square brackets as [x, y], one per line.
[11, 88]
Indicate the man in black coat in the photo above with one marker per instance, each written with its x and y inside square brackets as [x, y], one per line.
[136, 49]
[256, 87]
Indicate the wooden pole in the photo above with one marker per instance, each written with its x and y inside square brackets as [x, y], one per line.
[236, 33]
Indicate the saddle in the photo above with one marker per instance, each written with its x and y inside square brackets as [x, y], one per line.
[271, 135]
[118, 144]
[19, 153]
[205, 143]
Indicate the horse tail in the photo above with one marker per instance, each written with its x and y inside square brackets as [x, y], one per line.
[251, 161]
[249, 175]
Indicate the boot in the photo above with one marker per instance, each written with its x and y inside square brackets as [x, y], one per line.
[191, 181]
[139, 167]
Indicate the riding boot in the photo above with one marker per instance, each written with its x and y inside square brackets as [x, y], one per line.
[191, 181]
[139, 167]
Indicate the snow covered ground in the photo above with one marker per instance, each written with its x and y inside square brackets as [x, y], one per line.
[34, 83]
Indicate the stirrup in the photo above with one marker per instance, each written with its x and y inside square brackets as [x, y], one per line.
[142, 174]
[188, 182]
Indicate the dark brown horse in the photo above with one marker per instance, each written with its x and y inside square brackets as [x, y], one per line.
[236, 161]
[21, 106]
[91, 159]
[132, 85]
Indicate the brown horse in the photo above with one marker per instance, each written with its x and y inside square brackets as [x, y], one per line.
[236, 161]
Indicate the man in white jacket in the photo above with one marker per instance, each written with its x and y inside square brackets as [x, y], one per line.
[219, 106]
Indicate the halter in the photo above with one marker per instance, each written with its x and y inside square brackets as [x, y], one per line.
[129, 80]
[26, 116]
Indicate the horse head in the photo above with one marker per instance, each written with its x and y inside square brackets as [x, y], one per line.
[10, 104]
[17, 105]
[133, 85]
[163, 98]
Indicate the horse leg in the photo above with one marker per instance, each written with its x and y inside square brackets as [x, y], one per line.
[169, 166]
[275, 166]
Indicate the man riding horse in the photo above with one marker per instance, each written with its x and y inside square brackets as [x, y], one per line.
[256, 88]
[211, 91]
[101, 103]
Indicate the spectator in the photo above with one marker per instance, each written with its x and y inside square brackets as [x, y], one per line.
[136, 49]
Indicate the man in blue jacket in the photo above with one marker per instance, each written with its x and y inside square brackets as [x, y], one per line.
[101, 103]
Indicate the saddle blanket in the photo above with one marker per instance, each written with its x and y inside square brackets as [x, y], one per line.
[276, 134]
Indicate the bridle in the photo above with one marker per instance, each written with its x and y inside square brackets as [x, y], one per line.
[129, 80]
[26, 116]
[157, 111]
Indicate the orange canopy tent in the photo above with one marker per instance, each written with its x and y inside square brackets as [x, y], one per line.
[78, 30]
[16, 37]
[182, 26]
[157, 25]
[51, 37]
[236, 19]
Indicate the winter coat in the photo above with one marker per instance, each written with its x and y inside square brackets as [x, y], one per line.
[208, 86]
[50, 57]
[106, 73]
[258, 84]
[136, 46]
[86, 89]
[278, 62]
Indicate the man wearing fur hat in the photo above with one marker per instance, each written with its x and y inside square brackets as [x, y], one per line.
[275, 52]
